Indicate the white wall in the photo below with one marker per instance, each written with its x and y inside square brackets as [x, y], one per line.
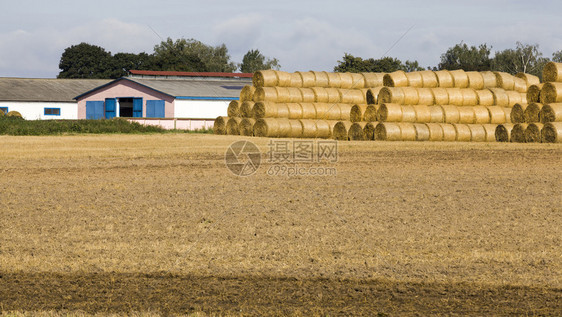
[209, 109]
[35, 110]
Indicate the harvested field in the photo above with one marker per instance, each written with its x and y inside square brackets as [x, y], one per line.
[157, 224]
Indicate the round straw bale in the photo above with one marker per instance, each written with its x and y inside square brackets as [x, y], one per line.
[356, 112]
[370, 114]
[369, 130]
[264, 109]
[475, 80]
[551, 113]
[285, 127]
[513, 97]
[529, 79]
[232, 126]
[372, 95]
[533, 93]
[462, 132]
[320, 94]
[504, 80]
[518, 132]
[358, 81]
[429, 79]
[373, 80]
[395, 79]
[423, 113]
[450, 114]
[308, 79]
[282, 110]
[331, 112]
[444, 79]
[469, 97]
[531, 113]
[391, 95]
[246, 126]
[533, 132]
[283, 78]
[334, 80]
[490, 132]
[466, 115]
[346, 80]
[307, 95]
[265, 94]
[523, 97]
[481, 115]
[341, 129]
[247, 109]
[333, 95]
[308, 110]
[460, 79]
[435, 131]
[489, 79]
[233, 109]
[265, 78]
[322, 110]
[324, 128]
[414, 79]
[503, 132]
[351, 96]
[519, 85]
[551, 93]
[497, 115]
[389, 112]
[247, 93]
[411, 96]
[295, 110]
[408, 114]
[425, 96]
[507, 113]
[517, 112]
[320, 79]
[449, 132]
[296, 80]
[295, 94]
[219, 126]
[500, 97]
[407, 131]
[552, 132]
[356, 132]
[477, 133]
[552, 72]
[422, 132]
[485, 97]
[388, 131]
[455, 96]
[440, 96]
[296, 129]
[437, 115]
[345, 110]
[308, 128]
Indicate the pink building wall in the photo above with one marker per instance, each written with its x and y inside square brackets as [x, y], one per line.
[126, 89]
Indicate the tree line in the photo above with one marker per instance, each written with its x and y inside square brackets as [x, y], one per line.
[90, 61]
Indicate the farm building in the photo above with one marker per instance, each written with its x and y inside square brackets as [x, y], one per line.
[181, 100]
[39, 98]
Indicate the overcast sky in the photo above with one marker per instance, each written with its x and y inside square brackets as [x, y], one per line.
[302, 35]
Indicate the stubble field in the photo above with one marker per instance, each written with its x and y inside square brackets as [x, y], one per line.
[157, 224]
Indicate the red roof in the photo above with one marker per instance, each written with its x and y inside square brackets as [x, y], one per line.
[189, 74]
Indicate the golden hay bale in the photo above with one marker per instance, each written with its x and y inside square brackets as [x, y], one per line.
[284, 127]
[247, 93]
[504, 80]
[449, 132]
[373, 80]
[462, 132]
[444, 79]
[265, 94]
[345, 110]
[324, 128]
[333, 95]
[308, 110]
[346, 80]
[370, 114]
[425, 96]
[323, 111]
[517, 112]
[334, 80]
[283, 94]
[497, 114]
[531, 113]
[296, 129]
[489, 79]
[308, 79]
[232, 126]
[265, 78]
[219, 126]
[435, 131]
[551, 93]
[490, 132]
[358, 81]
[320, 94]
[408, 114]
[296, 80]
[283, 78]
[455, 96]
[341, 129]
[475, 80]
[246, 126]
[503, 132]
[500, 97]
[295, 110]
[356, 132]
[423, 113]
[389, 112]
[450, 114]
[407, 131]
[485, 97]
[460, 79]
[533, 132]
[440, 96]
[414, 79]
[264, 109]
[387, 131]
[308, 128]
[247, 109]
[369, 130]
[391, 95]
[395, 79]
[481, 115]
[529, 79]
[372, 95]
[552, 132]
[437, 115]
[513, 97]
[411, 96]
[233, 109]
[507, 113]
[534, 92]
[551, 113]
[429, 79]
[295, 94]
[422, 132]
[523, 97]
[518, 132]
[519, 85]
[469, 97]
[466, 115]
[477, 133]
[352, 96]
[552, 72]
[282, 110]
[307, 95]
[356, 112]
[320, 79]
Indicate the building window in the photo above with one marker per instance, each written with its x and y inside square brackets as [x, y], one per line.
[52, 111]
[4, 109]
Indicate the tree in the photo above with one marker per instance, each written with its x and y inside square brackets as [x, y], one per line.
[471, 58]
[254, 61]
[557, 56]
[354, 64]
[524, 58]
[124, 62]
[85, 61]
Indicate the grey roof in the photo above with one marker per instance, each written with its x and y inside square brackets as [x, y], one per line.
[42, 89]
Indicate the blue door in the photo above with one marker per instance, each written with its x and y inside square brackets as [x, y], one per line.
[137, 107]
[94, 109]
[155, 109]
[110, 106]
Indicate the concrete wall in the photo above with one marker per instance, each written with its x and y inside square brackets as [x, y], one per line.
[36, 110]
[206, 109]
